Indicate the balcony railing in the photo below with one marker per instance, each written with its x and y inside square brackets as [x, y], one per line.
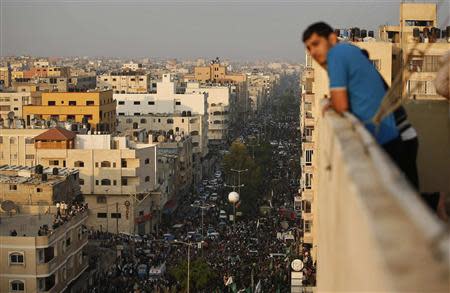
[373, 233]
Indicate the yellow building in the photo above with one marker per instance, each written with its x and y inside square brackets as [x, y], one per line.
[5, 77]
[98, 108]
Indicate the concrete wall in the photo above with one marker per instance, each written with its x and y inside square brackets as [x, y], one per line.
[374, 234]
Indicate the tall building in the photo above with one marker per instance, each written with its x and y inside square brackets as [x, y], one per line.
[96, 108]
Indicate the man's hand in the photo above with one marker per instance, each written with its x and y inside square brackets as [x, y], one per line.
[339, 100]
[326, 105]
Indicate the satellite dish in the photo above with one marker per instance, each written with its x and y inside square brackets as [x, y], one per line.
[8, 205]
[161, 138]
[178, 138]
[11, 115]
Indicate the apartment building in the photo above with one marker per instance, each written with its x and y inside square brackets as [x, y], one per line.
[220, 108]
[124, 82]
[34, 260]
[25, 185]
[260, 87]
[96, 108]
[217, 74]
[177, 126]
[15, 101]
[164, 100]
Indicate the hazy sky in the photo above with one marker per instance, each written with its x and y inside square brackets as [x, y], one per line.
[240, 30]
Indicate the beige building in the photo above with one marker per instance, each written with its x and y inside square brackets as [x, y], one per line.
[195, 126]
[117, 175]
[125, 82]
[24, 185]
[46, 263]
[14, 102]
[37, 254]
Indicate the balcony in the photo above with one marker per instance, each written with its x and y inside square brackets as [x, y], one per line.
[130, 172]
[308, 73]
[386, 238]
[308, 98]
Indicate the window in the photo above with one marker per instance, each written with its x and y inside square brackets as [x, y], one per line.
[29, 157]
[72, 103]
[53, 162]
[16, 109]
[105, 164]
[101, 199]
[96, 182]
[178, 103]
[116, 215]
[129, 120]
[123, 163]
[87, 117]
[68, 242]
[1, 139]
[136, 103]
[121, 114]
[309, 155]
[147, 178]
[308, 180]
[147, 161]
[16, 258]
[143, 120]
[151, 102]
[12, 140]
[38, 189]
[17, 286]
[12, 187]
[124, 181]
[90, 103]
[79, 164]
[101, 215]
[121, 102]
[81, 181]
[51, 103]
[106, 182]
[169, 121]
[29, 140]
[137, 114]
[70, 117]
[307, 227]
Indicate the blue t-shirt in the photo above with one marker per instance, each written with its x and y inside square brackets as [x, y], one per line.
[349, 69]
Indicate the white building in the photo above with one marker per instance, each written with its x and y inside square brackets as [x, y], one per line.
[166, 100]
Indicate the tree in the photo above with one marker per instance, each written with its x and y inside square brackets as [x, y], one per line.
[201, 274]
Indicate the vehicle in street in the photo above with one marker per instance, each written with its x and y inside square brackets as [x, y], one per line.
[222, 214]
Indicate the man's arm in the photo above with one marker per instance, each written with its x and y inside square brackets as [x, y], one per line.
[339, 100]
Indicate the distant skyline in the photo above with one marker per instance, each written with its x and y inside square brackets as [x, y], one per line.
[235, 30]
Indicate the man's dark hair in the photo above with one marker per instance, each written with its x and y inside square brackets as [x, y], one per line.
[321, 28]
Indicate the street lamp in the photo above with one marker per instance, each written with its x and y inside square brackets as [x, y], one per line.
[189, 244]
[233, 198]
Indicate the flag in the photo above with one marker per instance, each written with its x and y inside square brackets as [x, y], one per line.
[233, 288]
[229, 281]
[258, 287]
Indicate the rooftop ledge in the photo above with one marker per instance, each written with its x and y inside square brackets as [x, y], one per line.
[373, 233]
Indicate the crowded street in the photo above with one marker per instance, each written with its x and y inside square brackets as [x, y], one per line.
[228, 250]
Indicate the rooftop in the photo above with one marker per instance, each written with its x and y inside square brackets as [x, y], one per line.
[57, 134]
[27, 175]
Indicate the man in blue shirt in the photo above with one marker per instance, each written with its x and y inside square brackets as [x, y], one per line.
[355, 84]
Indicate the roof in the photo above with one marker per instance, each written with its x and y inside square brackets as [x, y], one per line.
[56, 133]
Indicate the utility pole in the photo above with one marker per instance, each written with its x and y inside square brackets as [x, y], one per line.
[239, 177]
[117, 218]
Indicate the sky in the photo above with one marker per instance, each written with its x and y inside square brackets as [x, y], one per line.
[237, 30]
